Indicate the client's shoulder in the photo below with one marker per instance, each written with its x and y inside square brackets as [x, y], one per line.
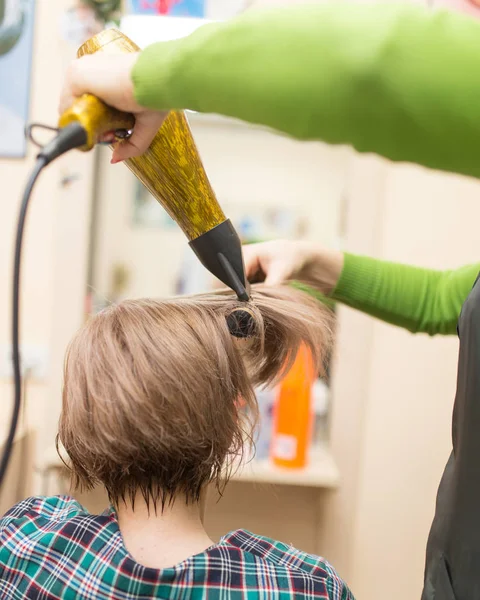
[53, 515]
[51, 508]
[54, 523]
[278, 553]
[284, 558]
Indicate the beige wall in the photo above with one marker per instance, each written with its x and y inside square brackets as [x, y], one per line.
[391, 427]
[37, 263]
[55, 232]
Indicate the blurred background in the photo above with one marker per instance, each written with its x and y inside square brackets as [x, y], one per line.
[380, 422]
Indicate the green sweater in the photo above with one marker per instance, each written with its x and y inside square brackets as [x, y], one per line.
[420, 300]
[394, 79]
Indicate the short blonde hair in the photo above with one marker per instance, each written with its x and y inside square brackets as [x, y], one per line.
[152, 389]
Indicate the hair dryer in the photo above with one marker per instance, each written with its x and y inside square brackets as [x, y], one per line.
[172, 171]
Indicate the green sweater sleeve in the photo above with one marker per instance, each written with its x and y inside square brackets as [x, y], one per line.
[394, 79]
[420, 300]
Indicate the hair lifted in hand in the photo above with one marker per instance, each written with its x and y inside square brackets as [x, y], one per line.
[155, 391]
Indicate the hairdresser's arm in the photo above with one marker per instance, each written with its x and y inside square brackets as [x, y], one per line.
[394, 79]
[420, 300]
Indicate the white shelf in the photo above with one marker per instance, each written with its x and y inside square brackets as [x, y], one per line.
[321, 472]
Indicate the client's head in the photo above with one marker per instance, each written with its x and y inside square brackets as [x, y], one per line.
[159, 396]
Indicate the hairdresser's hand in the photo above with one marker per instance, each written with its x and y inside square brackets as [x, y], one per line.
[108, 76]
[281, 261]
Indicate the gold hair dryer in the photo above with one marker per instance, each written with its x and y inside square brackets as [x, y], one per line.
[171, 170]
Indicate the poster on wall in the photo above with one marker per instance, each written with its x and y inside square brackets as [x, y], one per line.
[172, 8]
[16, 39]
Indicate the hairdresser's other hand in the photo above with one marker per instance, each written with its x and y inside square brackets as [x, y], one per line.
[109, 77]
[280, 261]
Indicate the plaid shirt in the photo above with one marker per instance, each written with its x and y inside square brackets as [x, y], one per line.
[52, 549]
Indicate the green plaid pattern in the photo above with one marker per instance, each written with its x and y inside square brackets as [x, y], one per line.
[52, 549]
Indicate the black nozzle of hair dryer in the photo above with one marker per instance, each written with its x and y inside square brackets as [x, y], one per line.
[220, 251]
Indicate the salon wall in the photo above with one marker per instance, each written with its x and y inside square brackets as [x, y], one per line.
[13, 174]
[393, 392]
[429, 219]
[57, 211]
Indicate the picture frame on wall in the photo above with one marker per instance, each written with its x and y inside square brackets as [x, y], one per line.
[171, 8]
[16, 49]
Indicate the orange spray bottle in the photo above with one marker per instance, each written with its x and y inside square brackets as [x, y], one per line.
[293, 413]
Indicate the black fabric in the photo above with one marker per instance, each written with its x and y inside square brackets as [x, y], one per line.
[452, 569]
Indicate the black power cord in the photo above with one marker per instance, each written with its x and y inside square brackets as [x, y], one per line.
[17, 376]
[72, 136]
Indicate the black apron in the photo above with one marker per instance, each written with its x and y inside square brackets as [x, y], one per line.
[452, 569]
